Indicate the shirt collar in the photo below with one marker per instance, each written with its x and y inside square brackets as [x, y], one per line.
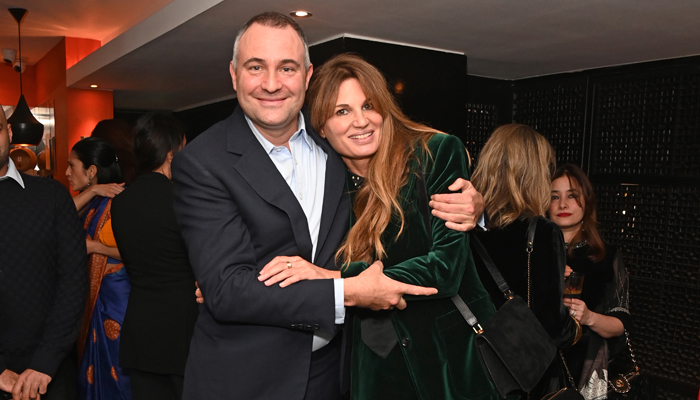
[268, 146]
[13, 173]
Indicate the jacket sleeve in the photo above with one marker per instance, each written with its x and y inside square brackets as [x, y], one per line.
[63, 322]
[443, 265]
[223, 258]
[547, 283]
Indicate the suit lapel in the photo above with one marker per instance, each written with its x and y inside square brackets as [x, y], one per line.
[256, 168]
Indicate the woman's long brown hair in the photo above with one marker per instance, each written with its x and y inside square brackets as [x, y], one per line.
[514, 174]
[377, 201]
[589, 224]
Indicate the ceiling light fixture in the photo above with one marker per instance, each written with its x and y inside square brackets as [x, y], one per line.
[26, 130]
[93, 86]
[300, 14]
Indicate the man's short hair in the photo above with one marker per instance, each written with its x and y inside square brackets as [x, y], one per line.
[273, 20]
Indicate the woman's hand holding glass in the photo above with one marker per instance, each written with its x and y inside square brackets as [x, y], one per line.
[286, 270]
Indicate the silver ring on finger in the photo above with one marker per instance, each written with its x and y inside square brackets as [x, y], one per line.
[573, 313]
[289, 264]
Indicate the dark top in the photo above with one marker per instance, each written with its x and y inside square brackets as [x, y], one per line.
[162, 311]
[43, 279]
[506, 246]
[605, 291]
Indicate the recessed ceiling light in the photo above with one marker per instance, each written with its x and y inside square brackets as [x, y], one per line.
[93, 86]
[301, 14]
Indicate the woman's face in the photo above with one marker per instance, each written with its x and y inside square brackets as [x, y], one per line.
[77, 175]
[564, 209]
[355, 128]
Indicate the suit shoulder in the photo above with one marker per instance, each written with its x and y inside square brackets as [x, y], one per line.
[214, 137]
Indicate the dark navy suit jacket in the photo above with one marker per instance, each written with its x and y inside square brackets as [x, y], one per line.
[237, 213]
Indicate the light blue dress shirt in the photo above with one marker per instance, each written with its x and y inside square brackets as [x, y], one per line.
[303, 167]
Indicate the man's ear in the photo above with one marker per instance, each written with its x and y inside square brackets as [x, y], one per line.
[9, 131]
[232, 71]
[309, 72]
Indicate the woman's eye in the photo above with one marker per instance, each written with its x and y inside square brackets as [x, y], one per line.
[342, 111]
[367, 106]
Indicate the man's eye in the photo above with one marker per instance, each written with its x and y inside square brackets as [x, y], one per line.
[288, 69]
[255, 68]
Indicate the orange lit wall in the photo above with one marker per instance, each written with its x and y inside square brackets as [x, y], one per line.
[78, 48]
[9, 88]
[76, 110]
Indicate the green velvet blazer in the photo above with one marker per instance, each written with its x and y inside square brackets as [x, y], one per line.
[435, 357]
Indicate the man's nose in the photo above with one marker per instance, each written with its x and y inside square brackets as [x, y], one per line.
[271, 83]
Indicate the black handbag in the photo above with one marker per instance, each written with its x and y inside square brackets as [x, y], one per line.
[513, 345]
[569, 391]
[625, 382]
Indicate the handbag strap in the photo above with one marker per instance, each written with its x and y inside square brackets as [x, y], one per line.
[629, 346]
[491, 266]
[530, 239]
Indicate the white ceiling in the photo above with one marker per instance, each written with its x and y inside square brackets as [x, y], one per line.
[174, 54]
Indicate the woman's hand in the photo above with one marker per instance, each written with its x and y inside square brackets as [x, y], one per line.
[567, 271]
[604, 325]
[288, 270]
[199, 298]
[108, 189]
[579, 310]
[95, 246]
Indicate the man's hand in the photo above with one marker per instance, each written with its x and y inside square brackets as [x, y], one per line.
[374, 290]
[7, 380]
[461, 211]
[30, 384]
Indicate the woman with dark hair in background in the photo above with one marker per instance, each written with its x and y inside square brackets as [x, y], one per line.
[119, 136]
[603, 308]
[514, 174]
[92, 161]
[160, 318]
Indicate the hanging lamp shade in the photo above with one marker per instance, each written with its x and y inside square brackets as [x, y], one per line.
[26, 130]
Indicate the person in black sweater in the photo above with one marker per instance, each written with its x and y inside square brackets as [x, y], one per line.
[162, 311]
[43, 281]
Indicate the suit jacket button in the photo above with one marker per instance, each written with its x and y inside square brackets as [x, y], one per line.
[317, 327]
[405, 342]
[309, 328]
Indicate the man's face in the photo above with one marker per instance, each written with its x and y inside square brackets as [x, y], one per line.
[5, 140]
[271, 80]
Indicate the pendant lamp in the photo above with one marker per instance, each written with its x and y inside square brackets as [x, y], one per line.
[26, 130]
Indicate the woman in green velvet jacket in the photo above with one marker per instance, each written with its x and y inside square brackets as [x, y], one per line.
[424, 351]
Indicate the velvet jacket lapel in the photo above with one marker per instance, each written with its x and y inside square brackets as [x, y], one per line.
[256, 168]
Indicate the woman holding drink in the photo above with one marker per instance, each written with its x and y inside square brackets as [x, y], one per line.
[602, 303]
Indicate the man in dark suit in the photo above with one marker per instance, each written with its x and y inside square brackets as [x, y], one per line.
[258, 185]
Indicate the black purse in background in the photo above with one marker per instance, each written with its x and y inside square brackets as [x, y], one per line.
[625, 382]
[513, 345]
